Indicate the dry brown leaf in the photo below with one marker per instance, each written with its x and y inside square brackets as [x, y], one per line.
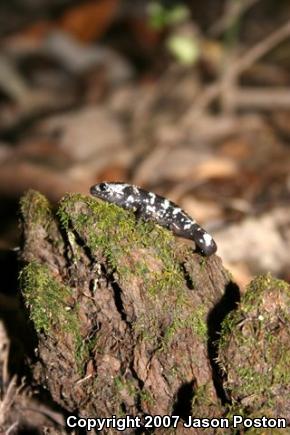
[262, 243]
[182, 163]
[202, 211]
[88, 21]
[113, 173]
[34, 33]
[91, 131]
[215, 168]
[236, 148]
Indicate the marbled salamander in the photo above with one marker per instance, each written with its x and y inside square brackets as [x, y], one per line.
[150, 206]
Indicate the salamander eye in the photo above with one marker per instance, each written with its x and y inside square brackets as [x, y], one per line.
[103, 187]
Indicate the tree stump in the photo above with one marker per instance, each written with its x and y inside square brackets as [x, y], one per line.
[126, 315]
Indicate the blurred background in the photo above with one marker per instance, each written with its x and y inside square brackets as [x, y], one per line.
[190, 99]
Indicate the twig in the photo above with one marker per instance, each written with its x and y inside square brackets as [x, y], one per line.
[261, 48]
[233, 12]
[11, 392]
[12, 427]
[262, 98]
[237, 68]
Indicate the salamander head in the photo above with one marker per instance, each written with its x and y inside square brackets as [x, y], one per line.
[204, 242]
[111, 192]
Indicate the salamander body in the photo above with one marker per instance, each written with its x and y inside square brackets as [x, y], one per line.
[149, 206]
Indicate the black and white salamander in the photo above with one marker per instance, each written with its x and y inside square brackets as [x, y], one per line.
[149, 206]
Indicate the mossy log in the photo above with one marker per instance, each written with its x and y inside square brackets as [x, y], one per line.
[254, 350]
[127, 316]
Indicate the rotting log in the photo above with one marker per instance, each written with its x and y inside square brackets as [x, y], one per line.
[127, 317]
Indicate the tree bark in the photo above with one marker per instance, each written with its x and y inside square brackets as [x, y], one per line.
[126, 315]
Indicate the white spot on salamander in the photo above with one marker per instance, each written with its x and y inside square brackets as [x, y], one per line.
[207, 239]
[118, 188]
[150, 209]
[176, 211]
[165, 204]
[130, 198]
[152, 197]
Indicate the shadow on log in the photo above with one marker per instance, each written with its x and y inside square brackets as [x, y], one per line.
[127, 317]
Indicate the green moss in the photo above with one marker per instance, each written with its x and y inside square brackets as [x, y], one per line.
[281, 372]
[202, 263]
[255, 291]
[146, 397]
[36, 205]
[111, 232]
[47, 300]
[202, 399]
[125, 387]
[254, 346]
[236, 409]
[146, 327]
[115, 233]
[194, 321]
